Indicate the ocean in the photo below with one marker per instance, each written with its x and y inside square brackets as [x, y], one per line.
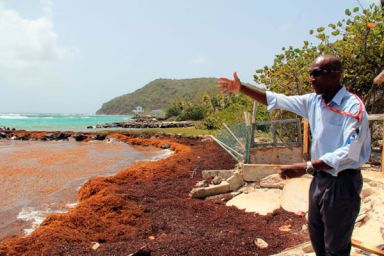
[56, 122]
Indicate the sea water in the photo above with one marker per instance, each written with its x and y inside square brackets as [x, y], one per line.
[38, 178]
[57, 122]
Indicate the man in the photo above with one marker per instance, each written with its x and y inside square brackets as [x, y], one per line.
[340, 145]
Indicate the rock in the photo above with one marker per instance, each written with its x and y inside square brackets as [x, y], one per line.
[79, 137]
[224, 174]
[63, 136]
[272, 181]
[165, 146]
[202, 183]
[217, 180]
[99, 137]
[249, 187]
[260, 243]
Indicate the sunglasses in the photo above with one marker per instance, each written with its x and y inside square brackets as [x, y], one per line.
[318, 72]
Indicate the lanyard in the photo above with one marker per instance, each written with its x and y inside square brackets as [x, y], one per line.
[358, 117]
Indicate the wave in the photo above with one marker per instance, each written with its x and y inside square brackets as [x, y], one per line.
[36, 217]
[13, 116]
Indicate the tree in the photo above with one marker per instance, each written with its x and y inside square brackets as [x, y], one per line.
[358, 40]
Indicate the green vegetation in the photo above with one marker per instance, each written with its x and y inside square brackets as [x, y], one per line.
[159, 94]
[215, 110]
[358, 40]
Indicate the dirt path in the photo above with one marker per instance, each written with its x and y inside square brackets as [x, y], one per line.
[148, 205]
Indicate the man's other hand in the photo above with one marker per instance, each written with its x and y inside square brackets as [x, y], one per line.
[293, 170]
[229, 86]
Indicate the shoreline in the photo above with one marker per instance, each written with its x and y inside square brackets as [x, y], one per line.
[148, 204]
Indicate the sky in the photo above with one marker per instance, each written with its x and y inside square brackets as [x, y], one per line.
[71, 56]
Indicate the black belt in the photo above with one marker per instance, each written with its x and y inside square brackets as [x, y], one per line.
[347, 172]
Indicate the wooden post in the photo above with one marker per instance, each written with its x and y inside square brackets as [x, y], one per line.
[306, 140]
[247, 119]
[382, 152]
[367, 247]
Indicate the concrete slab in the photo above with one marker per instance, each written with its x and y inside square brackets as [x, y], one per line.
[235, 181]
[294, 197]
[262, 201]
[203, 192]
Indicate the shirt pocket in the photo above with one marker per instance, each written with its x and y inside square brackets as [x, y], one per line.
[330, 136]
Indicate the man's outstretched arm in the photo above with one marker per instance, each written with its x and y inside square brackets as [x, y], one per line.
[235, 85]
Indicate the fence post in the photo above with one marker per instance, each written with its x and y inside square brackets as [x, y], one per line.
[306, 140]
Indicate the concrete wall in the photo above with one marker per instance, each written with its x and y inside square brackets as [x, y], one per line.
[276, 155]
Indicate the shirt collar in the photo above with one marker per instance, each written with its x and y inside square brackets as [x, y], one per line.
[339, 95]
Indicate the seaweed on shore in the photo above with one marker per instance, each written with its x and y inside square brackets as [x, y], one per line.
[148, 205]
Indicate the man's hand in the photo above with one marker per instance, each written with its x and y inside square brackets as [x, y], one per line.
[293, 170]
[229, 86]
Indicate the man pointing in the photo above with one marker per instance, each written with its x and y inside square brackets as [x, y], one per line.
[340, 145]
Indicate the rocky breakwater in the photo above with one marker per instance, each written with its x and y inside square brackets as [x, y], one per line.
[13, 134]
[145, 122]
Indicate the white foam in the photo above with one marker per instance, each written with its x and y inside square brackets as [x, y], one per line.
[36, 217]
[71, 205]
[164, 154]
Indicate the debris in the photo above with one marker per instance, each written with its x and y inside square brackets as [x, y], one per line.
[151, 237]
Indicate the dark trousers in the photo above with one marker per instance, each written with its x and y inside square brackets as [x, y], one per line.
[334, 203]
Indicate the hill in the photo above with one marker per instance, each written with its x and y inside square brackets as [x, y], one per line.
[158, 94]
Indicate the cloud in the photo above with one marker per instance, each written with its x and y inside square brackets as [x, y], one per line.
[28, 43]
[200, 60]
